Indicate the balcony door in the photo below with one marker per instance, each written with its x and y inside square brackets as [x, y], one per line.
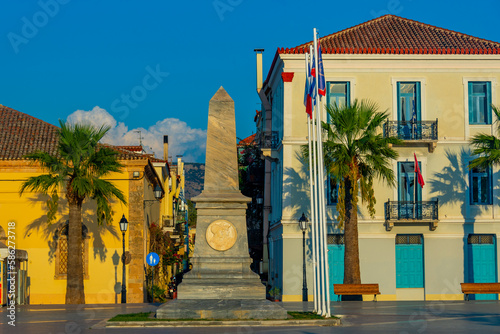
[409, 115]
[409, 192]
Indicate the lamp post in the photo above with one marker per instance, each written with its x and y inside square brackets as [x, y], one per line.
[303, 226]
[123, 228]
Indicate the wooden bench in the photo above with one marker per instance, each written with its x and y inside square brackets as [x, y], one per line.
[356, 289]
[473, 288]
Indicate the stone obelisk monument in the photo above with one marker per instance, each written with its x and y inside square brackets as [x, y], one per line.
[221, 263]
[221, 284]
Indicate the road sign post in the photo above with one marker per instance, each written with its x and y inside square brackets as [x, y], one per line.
[152, 259]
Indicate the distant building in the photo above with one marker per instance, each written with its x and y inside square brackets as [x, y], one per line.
[422, 243]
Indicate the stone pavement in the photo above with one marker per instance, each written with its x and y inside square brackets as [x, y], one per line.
[357, 317]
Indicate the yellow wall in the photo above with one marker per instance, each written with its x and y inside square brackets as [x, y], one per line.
[34, 235]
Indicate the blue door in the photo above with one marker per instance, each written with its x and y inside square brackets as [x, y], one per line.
[409, 261]
[335, 261]
[482, 262]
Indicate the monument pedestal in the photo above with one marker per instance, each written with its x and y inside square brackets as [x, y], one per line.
[221, 309]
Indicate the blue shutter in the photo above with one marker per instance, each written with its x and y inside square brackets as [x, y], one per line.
[398, 84]
[488, 98]
[348, 93]
[418, 102]
[471, 119]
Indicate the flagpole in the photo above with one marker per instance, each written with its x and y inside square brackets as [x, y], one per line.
[321, 192]
[315, 209]
[311, 192]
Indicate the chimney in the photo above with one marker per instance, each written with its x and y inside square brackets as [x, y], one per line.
[165, 148]
[259, 68]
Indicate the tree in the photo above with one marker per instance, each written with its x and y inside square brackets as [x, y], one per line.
[487, 146]
[78, 167]
[356, 153]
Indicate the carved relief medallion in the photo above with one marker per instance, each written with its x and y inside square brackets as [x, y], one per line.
[221, 235]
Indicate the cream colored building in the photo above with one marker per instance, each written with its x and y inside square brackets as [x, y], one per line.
[421, 244]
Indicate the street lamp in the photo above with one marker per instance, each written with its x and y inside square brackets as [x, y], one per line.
[157, 192]
[123, 228]
[303, 226]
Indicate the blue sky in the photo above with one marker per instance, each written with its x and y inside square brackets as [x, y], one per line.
[154, 65]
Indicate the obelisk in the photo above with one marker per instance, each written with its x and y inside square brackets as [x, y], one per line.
[221, 284]
[221, 263]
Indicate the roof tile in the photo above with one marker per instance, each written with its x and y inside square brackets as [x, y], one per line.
[392, 34]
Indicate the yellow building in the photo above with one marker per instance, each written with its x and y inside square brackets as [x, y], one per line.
[437, 86]
[43, 271]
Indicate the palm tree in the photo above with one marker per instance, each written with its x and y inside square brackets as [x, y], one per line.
[487, 146]
[356, 153]
[78, 168]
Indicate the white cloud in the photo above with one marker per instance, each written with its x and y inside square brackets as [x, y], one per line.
[183, 140]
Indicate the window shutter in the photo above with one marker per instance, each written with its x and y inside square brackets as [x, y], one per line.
[488, 99]
[471, 119]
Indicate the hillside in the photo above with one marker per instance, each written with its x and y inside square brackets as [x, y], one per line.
[194, 179]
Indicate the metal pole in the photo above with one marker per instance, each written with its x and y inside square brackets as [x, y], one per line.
[304, 285]
[124, 284]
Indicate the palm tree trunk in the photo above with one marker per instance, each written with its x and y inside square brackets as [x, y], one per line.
[352, 273]
[74, 289]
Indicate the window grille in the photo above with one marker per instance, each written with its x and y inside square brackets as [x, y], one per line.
[480, 239]
[408, 239]
[63, 256]
[335, 239]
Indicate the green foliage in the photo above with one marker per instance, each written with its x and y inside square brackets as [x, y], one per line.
[78, 167]
[355, 150]
[275, 292]
[192, 214]
[487, 147]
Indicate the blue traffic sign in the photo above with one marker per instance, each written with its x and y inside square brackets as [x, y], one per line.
[152, 259]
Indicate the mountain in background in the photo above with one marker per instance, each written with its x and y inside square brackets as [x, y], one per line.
[194, 179]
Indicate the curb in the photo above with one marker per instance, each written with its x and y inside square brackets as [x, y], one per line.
[223, 323]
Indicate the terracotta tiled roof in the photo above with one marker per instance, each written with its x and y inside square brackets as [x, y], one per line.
[391, 34]
[131, 148]
[248, 140]
[21, 134]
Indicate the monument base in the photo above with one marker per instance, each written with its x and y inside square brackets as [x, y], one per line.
[221, 289]
[221, 309]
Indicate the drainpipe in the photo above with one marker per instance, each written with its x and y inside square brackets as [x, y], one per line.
[267, 176]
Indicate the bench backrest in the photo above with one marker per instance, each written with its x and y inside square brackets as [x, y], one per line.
[361, 288]
[480, 287]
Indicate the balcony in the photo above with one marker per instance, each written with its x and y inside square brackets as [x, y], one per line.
[268, 142]
[414, 133]
[411, 213]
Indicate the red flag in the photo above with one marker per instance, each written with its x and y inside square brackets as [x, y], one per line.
[420, 178]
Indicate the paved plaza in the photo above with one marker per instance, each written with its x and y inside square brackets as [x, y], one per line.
[357, 317]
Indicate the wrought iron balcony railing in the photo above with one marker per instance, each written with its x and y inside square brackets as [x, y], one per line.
[411, 212]
[269, 140]
[407, 130]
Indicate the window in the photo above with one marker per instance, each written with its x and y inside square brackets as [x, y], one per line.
[408, 101]
[62, 251]
[409, 115]
[479, 102]
[480, 185]
[332, 190]
[338, 92]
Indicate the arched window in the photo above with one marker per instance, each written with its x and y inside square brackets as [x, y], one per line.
[62, 251]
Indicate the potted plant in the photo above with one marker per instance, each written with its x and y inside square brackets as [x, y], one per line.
[275, 294]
